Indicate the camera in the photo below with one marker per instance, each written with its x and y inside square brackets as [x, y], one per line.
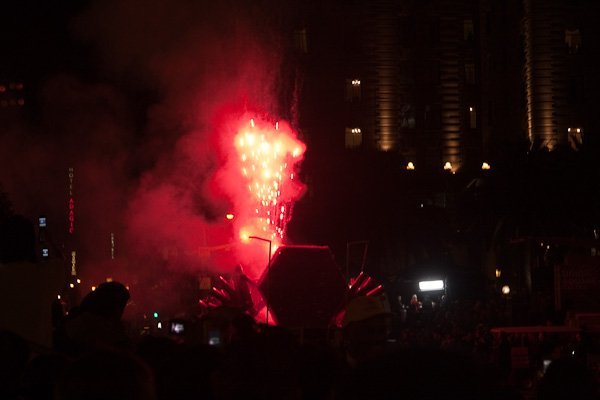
[546, 364]
[177, 327]
[214, 337]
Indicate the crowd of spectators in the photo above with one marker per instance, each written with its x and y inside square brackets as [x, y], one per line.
[445, 353]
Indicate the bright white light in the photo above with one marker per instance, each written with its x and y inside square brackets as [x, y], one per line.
[159, 325]
[505, 289]
[410, 166]
[426, 286]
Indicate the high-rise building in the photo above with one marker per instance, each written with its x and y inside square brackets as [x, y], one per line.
[560, 44]
[438, 86]
[450, 81]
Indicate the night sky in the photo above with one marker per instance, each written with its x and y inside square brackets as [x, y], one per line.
[134, 95]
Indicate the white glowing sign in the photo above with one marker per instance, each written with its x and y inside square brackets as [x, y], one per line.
[426, 286]
[71, 202]
[73, 263]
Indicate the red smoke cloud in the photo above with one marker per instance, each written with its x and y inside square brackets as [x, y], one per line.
[147, 131]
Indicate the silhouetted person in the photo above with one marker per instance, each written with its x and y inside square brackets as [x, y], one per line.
[365, 330]
[568, 379]
[181, 371]
[415, 304]
[419, 374]
[262, 367]
[106, 375]
[14, 354]
[41, 376]
[97, 322]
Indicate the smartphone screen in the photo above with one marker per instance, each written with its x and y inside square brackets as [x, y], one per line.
[214, 338]
[177, 328]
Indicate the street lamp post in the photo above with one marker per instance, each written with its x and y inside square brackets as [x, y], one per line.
[364, 256]
[268, 268]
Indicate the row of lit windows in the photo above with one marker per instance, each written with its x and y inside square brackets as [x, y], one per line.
[575, 138]
[11, 86]
[354, 140]
[12, 102]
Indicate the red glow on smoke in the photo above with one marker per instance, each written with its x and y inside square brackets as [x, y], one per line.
[262, 181]
[268, 158]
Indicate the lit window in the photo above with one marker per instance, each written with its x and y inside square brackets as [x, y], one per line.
[468, 30]
[472, 118]
[573, 40]
[575, 136]
[300, 41]
[353, 138]
[407, 116]
[353, 91]
[470, 73]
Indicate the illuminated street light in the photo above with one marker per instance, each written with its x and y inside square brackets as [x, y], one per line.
[485, 166]
[505, 290]
[410, 166]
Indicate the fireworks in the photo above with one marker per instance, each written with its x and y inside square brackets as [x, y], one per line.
[268, 160]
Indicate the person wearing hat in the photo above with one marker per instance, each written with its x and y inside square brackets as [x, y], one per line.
[365, 330]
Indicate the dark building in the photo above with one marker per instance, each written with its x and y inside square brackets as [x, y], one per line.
[560, 40]
[449, 80]
[409, 102]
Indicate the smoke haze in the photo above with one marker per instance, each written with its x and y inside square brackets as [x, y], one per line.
[144, 129]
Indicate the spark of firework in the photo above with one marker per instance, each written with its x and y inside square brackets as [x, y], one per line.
[269, 157]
